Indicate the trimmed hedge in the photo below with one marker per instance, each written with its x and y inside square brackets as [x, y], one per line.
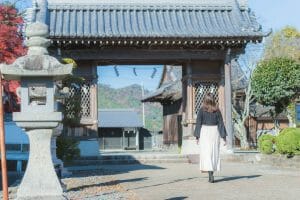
[286, 142]
[266, 143]
[67, 148]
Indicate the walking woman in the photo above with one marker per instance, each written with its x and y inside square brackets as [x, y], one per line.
[209, 129]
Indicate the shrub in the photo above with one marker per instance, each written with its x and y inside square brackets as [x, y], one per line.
[288, 141]
[266, 143]
[67, 148]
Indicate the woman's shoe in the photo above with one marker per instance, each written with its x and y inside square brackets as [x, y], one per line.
[211, 177]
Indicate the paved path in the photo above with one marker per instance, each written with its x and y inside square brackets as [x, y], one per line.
[236, 181]
[184, 181]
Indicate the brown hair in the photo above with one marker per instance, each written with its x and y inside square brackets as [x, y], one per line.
[209, 104]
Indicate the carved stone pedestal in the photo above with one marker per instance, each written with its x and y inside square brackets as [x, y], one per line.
[40, 180]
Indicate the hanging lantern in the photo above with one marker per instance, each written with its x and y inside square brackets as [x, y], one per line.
[116, 71]
[134, 71]
[154, 72]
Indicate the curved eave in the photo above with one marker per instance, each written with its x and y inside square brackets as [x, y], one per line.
[166, 93]
[150, 41]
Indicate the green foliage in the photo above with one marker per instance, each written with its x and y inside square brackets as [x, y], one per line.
[276, 82]
[129, 97]
[288, 141]
[72, 107]
[284, 43]
[266, 143]
[69, 61]
[291, 32]
[67, 148]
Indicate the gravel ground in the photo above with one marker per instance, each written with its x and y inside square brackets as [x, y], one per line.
[89, 185]
[95, 185]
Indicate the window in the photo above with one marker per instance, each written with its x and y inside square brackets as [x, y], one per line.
[201, 89]
[13, 147]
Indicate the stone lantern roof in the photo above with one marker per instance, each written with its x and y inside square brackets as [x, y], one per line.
[37, 63]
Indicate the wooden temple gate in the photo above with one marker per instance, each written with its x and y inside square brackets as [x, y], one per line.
[201, 36]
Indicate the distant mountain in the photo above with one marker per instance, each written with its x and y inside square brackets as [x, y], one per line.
[129, 97]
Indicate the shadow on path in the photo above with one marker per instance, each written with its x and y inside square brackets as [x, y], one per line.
[177, 198]
[232, 178]
[111, 169]
[174, 181]
[110, 183]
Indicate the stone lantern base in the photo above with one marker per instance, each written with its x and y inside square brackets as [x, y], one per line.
[40, 180]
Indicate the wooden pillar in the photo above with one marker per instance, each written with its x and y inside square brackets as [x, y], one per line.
[123, 139]
[189, 103]
[94, 107]
[228, 100]
[222, 91]
[137, 142]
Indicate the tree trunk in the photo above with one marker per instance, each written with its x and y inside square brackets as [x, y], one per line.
[241, 134]
[291, 120]
[276, 126]
[291, 115]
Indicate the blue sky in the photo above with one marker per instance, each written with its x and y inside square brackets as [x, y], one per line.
[107, 75]
[276, 14]
[272, 14]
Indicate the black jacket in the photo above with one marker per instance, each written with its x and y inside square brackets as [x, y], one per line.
[210, 119]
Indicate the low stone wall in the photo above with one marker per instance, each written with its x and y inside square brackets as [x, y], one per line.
[275, 160]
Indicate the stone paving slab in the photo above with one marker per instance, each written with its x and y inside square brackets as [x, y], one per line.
[184, 181]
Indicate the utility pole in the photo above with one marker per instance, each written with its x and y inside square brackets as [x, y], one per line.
[3, 150]
[143, 104]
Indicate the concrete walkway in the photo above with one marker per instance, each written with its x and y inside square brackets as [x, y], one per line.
[184, 181]
[179, 181]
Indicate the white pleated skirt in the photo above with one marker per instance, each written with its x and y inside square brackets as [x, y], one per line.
[209, 146]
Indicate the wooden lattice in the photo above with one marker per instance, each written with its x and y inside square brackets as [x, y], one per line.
[201, 89]
[84, 90]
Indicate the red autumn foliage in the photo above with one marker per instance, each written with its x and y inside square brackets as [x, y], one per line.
[11, 47]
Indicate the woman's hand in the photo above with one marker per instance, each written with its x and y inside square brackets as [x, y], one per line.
[225, 143]
[197, 140]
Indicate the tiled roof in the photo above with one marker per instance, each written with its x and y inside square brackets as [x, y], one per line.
[170, 86]
[167, 92]
[175, 19]
[119, 118]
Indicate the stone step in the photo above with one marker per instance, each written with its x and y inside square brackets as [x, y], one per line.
[135, 156]
[130, 159]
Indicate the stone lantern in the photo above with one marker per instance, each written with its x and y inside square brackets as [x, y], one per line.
[37, 72]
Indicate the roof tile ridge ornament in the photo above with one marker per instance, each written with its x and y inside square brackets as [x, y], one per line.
[30, 13]
[255, 26]
[41, 11]
[243, 4]
[238, 15]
